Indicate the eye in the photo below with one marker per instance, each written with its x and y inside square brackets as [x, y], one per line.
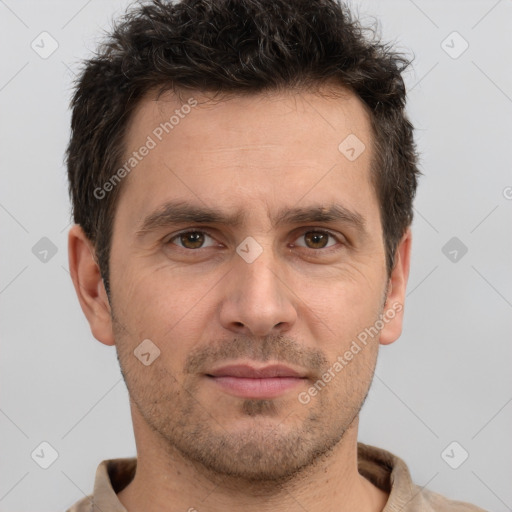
[190, 239]
[313, 239]
[317, 239]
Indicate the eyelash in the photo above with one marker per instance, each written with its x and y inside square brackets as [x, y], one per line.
[329, 249]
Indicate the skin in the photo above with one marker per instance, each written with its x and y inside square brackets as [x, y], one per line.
[300, 302]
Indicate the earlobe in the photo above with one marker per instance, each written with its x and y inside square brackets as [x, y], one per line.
[394, 307]
[89, 286]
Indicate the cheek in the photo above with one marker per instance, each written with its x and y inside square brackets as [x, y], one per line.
[340, 308]
[168, 308]
[153, 298]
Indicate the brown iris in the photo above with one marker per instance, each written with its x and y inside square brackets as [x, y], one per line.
[192, 239]
[317, 239]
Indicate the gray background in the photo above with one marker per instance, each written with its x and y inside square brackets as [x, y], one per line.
[447, 379]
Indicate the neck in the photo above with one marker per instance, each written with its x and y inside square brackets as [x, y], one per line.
[166, 482]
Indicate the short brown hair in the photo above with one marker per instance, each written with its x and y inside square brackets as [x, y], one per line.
[235, 47]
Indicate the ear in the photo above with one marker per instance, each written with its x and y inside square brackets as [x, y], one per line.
[89, 286]
[394, 308]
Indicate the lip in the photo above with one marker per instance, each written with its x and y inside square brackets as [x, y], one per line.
[247, 381]
[252, 372]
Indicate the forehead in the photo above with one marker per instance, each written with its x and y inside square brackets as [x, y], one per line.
[273, 148]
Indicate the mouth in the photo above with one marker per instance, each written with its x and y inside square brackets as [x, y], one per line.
[249, 381]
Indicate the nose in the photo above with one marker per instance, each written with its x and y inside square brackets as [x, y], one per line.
[257, 300]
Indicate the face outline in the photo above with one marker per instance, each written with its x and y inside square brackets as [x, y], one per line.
[292, 304]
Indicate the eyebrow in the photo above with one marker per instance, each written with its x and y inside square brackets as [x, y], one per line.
[180, 212]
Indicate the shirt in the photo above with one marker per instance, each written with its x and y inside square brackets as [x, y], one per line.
[385, 470]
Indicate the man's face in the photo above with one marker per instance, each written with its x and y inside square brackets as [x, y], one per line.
[296, 293]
